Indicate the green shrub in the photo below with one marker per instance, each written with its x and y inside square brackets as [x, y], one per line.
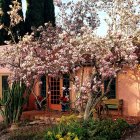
[108, 129]
[66, 132]
[68, 119]
[91, 130]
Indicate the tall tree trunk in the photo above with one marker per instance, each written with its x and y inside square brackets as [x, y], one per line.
[88, 107]
[49, 14]
[93, 101]
[34, 14]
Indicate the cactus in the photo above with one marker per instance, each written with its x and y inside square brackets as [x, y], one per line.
[12, 103]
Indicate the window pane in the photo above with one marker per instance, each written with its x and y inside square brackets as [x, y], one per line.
[112, 92]
[4, 83]
[55, 90]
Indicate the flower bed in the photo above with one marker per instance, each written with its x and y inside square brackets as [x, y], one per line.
[81, 130]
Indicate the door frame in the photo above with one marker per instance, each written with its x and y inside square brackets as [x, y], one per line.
[49, 104]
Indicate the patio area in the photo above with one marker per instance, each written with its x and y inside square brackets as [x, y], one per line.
[56, 115]
[43, 115]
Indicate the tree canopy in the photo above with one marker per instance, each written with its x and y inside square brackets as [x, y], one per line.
[38, 13]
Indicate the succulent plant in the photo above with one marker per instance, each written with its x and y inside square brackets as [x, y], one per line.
[11, 103]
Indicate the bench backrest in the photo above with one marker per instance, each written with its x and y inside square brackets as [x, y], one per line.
[113, 102]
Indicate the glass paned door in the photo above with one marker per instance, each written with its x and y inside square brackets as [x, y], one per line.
[55, 93]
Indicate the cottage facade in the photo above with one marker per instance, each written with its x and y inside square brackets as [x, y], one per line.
[126, 86]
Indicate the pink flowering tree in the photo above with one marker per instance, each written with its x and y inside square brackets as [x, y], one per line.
[67, 47]
[42, 53]
[107, 55]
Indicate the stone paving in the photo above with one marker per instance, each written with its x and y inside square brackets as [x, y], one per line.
[35, 115]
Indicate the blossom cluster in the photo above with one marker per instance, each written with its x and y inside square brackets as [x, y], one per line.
[15, 18]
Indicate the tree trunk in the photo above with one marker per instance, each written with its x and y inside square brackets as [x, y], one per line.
[88, 107]
[92, 102]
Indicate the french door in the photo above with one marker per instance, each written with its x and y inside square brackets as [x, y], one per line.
[55, 92]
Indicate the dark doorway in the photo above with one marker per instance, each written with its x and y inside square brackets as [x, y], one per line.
[43, 86]
[66, 85]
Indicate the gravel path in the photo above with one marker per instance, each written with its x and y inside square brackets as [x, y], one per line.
[135, 136]
[24, 132]
[133, 133]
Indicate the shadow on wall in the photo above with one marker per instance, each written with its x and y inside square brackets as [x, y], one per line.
[128, 87]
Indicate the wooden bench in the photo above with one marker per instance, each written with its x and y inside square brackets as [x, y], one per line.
[114, 104]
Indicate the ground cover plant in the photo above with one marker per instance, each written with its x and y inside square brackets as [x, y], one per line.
[91, 130]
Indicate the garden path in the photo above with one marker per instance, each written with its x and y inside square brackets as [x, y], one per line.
[35, 115]
[135, 136]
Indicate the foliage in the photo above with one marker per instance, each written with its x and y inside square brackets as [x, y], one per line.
[12, 103]
[108, 130]
[62, 131]
[49, 14]
[39, 13]
[98, 130]
[68, 119]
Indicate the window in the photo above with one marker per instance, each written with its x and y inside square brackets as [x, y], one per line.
[112, 92]
[4, 83]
